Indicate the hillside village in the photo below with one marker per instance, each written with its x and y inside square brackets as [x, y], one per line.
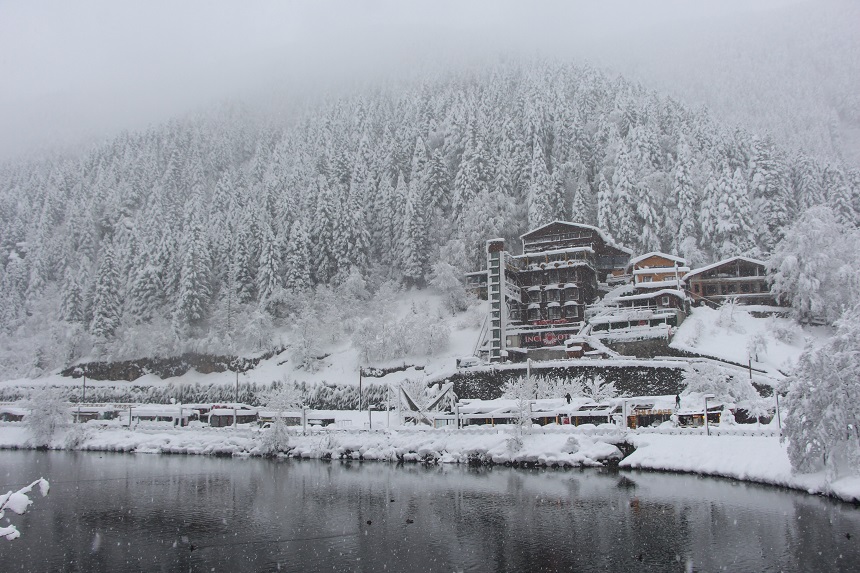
[573, 285]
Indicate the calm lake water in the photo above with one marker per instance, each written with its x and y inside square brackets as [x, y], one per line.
[125, 512]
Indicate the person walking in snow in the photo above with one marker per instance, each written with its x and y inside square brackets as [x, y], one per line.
[567, 397]
[677, 402]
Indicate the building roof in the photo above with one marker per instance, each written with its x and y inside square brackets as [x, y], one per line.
[601, 233]
[721, 263]
[640, 258]
[555, 252]
[660, 270]
[667, 291]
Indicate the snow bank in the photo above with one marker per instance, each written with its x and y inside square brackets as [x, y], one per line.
[548, 446]
[760, 459]
[729, 335]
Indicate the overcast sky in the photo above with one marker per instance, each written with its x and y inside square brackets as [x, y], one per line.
[73, 71]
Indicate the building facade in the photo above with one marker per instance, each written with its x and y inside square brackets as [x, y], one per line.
[739, 278]
[537, 299]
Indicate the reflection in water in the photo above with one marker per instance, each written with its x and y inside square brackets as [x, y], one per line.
[120, 512]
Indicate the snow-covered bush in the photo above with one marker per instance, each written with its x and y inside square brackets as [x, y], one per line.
[815, 266]
[447, 280]
[783, 330]
[75, 437]
[48, 413]
[18, 502]
[543, 387]
[727, 318]
[757, 345]
[285, 396]
[727, 418]
[822, 424]
[706, 378]
[599, 389]
[522, 390]
[420, 333]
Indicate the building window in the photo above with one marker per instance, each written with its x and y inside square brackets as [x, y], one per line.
[711, 289]
[696, 288]
[553, 295]
[665, 301]
[554, 313]
[745, 288]
[534, 296]
[534, 314]
[571, 312]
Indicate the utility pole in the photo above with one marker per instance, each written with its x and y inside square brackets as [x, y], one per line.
[359, 388]
[236, 401]
[778, 419]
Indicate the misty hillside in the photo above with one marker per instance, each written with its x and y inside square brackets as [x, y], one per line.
[205, 234]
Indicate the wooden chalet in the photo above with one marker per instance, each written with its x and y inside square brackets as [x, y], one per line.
[740, 278]
[656, 270]
[561, 235]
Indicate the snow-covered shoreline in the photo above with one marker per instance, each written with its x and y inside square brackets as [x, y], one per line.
[753, 455]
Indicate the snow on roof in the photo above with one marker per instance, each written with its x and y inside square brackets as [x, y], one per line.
[593, 342]
[721, 263]
[601, 233]
[230, 411]
[555, 252]
[665, 291]
[630, 315]
[641, 258]
[660, 270]
[671, 283]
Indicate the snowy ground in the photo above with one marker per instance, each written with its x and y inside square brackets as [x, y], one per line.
[733, 334]
[741, 452]
[341, 366]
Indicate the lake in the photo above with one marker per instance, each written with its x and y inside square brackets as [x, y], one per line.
[143, 512]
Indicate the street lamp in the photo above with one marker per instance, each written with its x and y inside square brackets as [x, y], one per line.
[83, 373]
[707, 397]
[778, 419]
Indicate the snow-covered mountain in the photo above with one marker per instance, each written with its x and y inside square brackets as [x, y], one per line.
[210, 233]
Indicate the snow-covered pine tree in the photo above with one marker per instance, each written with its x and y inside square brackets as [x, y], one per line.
[194, 286]
[542, 190]
[839, 195]
[415, 245]
[815, 267]
[107, 307]
[297, 262]
[686, 197]
[322, 233]
[771, 196]
[269, 273]
[623, 208]
[822, 424]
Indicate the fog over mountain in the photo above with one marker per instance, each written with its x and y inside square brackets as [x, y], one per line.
[78, 72]
[212, 176]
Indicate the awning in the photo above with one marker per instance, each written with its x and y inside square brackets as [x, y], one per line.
[533, 306]
[552, 304]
